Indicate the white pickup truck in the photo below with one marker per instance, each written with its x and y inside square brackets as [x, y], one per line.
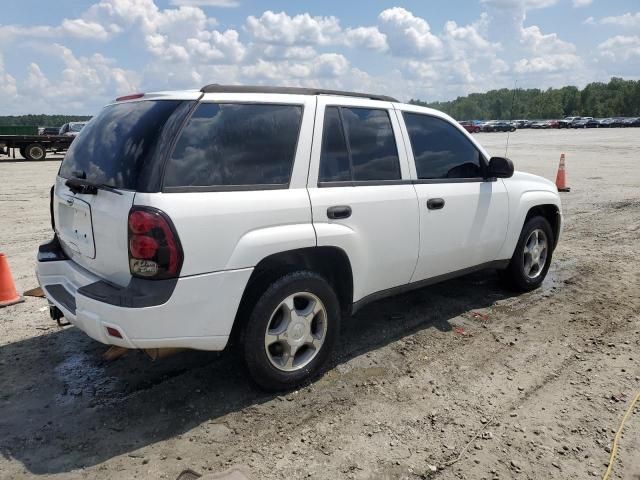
[266, 215]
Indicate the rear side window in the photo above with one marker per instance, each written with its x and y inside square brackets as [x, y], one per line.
[227, 145]
[358, 145]
[440, 150]
[117, 144]
[334, 162]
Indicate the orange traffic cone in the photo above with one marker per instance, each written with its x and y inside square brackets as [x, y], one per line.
[561, 180]
[8, 293]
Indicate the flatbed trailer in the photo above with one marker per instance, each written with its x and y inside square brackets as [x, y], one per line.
[33, 147]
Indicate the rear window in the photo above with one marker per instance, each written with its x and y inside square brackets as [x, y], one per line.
[228, 145]
[113, 148]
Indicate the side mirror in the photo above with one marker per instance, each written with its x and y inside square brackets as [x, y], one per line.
[500, 167]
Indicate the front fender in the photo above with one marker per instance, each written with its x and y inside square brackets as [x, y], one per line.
[521, 206]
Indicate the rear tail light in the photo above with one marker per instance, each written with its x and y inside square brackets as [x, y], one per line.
[154, 247]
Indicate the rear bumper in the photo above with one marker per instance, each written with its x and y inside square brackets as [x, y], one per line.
[192, 312]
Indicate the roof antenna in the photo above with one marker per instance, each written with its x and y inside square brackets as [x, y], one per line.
[513, 99]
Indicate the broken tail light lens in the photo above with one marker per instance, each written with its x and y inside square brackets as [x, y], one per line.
[154, 247]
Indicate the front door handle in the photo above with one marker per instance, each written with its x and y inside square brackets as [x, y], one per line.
[435, 203]
[339, 211]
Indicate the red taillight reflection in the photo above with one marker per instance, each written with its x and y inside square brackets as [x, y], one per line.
[141, 221]
[142, 246]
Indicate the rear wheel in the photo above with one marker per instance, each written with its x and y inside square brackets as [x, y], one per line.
[530, 262]
[35, 151]
[291, 331]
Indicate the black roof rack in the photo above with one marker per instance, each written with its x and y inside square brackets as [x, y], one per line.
[216, 88]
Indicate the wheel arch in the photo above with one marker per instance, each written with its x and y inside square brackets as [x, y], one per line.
[331, 262]
[551, 212]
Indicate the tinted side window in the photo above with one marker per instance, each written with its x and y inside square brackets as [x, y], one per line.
[236, 144]
[334, 157]
[440, 150]
[374, 154]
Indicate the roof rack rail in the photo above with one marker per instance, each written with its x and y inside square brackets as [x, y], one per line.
[216, 88]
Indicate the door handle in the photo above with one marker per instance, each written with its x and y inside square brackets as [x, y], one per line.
[435, 203]
[339, 211]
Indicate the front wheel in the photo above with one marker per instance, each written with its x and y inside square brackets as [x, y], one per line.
[532, 257]
[291, 331]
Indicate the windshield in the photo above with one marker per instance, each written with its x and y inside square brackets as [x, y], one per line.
[113, 147]
[76, 126]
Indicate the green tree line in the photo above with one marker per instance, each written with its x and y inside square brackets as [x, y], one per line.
[41, 120]
[619, 97]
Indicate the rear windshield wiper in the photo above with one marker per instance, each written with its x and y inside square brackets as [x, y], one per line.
[80, 185]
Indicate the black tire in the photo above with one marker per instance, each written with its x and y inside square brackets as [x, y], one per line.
[35, 151]
[256, 358]
[514, 276]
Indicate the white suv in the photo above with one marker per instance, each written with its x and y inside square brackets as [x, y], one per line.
[265, 214]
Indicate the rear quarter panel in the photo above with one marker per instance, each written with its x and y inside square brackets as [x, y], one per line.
[232, 230]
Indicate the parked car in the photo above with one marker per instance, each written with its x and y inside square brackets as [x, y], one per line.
[583, 122]
[541, 124]
[617, 122]
[523, 123]
[50, 131]
[631, 122]
[567, 121]
[268, 215]
[498, 126]
[72, 128]
[470, 126]
[553, 123]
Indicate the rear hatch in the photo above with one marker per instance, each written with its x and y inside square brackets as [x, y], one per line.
[117, 154]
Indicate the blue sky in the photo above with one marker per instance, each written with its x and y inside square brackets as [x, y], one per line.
[73, 56]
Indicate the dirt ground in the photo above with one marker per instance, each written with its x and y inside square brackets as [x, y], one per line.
[531, 386]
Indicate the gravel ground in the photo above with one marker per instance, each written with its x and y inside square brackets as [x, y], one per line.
[530, 386]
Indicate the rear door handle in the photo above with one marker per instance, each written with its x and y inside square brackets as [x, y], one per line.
[435, 203]
[339, 211]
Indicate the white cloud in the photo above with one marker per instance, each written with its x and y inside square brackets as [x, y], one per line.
[79, 80]
[283, 52]
[628, 20]
[366, 37]
[581, 3]
[8, 87]
[547, 64]
[470, 38]
[620, 48]
[206, 3]
[408, 35]
[538, 43]
[281, 29]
